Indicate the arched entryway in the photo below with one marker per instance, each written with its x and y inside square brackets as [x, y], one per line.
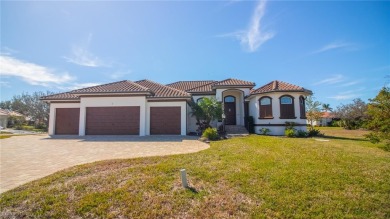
[230, 110]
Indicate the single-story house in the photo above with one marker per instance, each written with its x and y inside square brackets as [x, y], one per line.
[4, 116]
[325, 120]
[149, 108]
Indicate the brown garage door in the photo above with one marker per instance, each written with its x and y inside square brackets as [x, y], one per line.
[67, 121]
[112, 120]
[165, 120]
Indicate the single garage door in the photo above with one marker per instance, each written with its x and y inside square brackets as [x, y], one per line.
[67, 121]
[165, 120]
[112, 120]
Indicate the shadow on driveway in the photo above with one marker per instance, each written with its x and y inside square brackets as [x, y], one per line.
[123, 138]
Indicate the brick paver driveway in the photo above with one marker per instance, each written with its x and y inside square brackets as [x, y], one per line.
[26, 158]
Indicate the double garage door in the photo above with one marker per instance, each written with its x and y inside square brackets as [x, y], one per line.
[117, 120]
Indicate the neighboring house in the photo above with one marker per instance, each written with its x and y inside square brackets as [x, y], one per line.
[326, 119]
[5, 114]
[149, 108]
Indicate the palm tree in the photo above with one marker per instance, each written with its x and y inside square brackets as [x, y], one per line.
[326, 107]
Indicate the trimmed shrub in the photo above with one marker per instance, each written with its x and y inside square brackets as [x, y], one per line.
[211, 134]
[289, 133]
[314, 132]
[301, 134]
[264, 131]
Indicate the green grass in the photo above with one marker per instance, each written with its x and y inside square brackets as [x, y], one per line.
[256, 176]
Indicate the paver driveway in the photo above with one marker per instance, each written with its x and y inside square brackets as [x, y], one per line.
[26, 158]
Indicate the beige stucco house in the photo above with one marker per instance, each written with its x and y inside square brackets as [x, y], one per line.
[149, 108]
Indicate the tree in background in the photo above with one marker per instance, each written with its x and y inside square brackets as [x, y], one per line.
[313, 112]
[31, 106]
[205, 111]
[378, 121]
[352, 115]
[326, 107]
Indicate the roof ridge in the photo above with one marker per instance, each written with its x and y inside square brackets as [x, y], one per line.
[164, 86]
[97, 86]
[214, 82]
[133, 82]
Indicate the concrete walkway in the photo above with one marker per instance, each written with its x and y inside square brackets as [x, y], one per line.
[26, 158]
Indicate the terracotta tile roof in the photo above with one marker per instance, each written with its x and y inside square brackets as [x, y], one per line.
[61, 96]
[6, 112]
[160, 90]
[3, 112]
[275, 86]
[327, 115]
[115, 87]
[205, 88]
[234, 82]
[188, 85]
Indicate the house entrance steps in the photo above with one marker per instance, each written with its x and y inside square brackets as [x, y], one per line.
[235, 131]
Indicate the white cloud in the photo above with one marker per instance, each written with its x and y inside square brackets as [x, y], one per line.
[350, 83]
[76, 86]
[344, 96]
[80, 55]
[31, 73]
[5, 84]
[333, 46]
[119, 74]
[252, 38]
[7, 51]
[331, 80]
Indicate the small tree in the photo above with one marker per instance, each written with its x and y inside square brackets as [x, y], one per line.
[205, 111]
[352, 115]
[378, 121]
[313, 112]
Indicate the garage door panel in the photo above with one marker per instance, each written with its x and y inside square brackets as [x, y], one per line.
[113, 120]
[165, 120]
[67, 121]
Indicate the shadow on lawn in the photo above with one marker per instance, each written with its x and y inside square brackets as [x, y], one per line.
[345, 138]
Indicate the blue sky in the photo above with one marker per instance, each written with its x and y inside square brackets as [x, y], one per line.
[338, 49]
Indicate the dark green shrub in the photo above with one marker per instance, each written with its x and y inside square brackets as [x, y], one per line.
[301, 134]
[314, 132]
[249, 124]
[289, 133]
[211, 134]
[264, 131]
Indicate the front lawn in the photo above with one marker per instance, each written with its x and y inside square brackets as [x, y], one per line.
[255, 176]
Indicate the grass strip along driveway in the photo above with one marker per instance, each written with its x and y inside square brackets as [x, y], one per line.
[255, 176]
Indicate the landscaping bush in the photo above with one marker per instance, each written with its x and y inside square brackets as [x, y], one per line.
[314, 132]
[211, 134]
[289, 133]
[264, 131]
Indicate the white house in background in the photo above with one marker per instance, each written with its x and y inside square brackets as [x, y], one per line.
[325, 120]
[4, 116]
[149, 108]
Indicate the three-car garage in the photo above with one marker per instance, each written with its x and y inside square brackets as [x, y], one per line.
[118, 120]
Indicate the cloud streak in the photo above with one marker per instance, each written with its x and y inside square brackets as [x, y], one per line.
[31, 73]
[331, 80]
[333, 46]
[255, 36]
[80, 55]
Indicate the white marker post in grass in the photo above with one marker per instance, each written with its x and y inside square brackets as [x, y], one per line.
[184, 178]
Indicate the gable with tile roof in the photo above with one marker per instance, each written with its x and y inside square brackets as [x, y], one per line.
[146, 107]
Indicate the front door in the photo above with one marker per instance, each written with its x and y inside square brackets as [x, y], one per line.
[230, 110]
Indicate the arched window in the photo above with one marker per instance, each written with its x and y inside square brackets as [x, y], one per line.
[302, 107]
[265, 107]
[287, 107]
[230, 99]
[199, 100]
